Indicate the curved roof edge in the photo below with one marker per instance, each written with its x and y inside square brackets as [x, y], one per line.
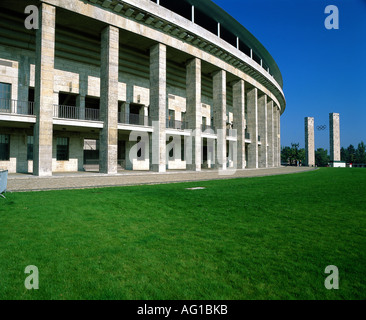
[221, 16]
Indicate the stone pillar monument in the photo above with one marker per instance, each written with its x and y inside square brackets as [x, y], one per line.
[309, 142]
[334, 137]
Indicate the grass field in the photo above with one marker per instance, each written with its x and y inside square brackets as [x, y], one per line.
[256, 238]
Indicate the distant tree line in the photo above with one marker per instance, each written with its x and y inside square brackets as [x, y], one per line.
[295, 156]
[352, 155]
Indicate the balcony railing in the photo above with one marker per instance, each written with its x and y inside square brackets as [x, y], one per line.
[76, 113]
[92, 114]
[16, 107]
[179, 125]
[134, 119]
[208, 128]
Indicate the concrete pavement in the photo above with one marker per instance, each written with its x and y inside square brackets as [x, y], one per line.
[81, 180]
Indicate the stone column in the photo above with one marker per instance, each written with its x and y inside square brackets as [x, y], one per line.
[125, 113]
[219, 108]
[194, 112]
[109, 100]
[309, 142]
[239, 121]
[81, 105]
[335, 137]
[277, 148]
[158, 106]
[252, 127]
[23, 85]
[263, 131]
[83, 92]
[44, 78]
[270, 128]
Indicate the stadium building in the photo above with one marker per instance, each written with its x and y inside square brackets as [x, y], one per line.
[134, 85]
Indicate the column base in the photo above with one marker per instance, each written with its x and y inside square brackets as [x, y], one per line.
[193, 167]
[161, 168]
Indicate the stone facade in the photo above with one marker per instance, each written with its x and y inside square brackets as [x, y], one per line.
[155, 96]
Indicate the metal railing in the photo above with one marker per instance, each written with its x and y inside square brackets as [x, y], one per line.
[208, 128]
[179, 125]
[134, 119]
[92, 114]
[17, 107]
[76, 113]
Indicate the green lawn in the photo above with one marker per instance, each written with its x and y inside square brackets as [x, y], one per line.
[255, 238]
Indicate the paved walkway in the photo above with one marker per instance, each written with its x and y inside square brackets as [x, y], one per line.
[81, 180]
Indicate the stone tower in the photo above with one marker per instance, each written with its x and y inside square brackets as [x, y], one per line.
[335, 137]
[309, 142]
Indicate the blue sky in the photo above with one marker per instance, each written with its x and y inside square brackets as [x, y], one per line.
[323, 70]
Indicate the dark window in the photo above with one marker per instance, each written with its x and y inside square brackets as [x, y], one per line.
[182, 155]
[204, 153]
[135, 108]
[30, 143]
[66, 99]
[203, 20]
[92, 103]
[4, 147]
[31, 94]
[92, 108]
[226, 35]
[244, 48]
[67, 106]
[91, 151]
[256, 58]
[180, 7]
[5, 96]
[62, 149]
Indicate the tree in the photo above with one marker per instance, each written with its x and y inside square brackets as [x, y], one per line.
[285, 154]
[344, 154]
[302, 155]
[360, 154]
[351, 154]
[293, 154]
[321, 157]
